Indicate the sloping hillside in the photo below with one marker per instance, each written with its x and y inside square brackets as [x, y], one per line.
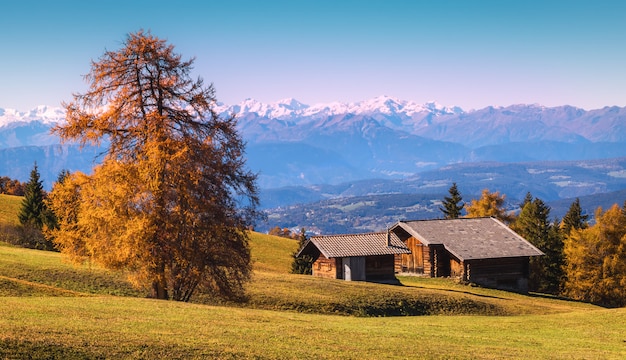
[9, 209]
[30, 272]
[33, 273]
[54, 310]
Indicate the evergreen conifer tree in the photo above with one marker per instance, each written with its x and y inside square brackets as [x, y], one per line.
[574, 219]
[527, 199]
[453, 204]
[34, 215]
[302, 264]
[33, 206]
[546, 274]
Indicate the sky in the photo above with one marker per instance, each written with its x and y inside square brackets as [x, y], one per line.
[463, 53]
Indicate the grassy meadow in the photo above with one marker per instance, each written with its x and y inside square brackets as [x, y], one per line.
[9, 208]
[51, 309]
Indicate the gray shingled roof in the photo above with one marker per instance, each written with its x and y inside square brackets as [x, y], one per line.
[370, 244]
[471, 238]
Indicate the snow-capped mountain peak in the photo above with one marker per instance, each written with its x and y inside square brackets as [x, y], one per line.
[381, 105]
[291, 104]
[44, 114]
[284, 108]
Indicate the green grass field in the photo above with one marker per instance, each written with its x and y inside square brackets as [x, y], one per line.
[51, 309]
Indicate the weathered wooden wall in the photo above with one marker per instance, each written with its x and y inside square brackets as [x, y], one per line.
[502, 273]
[438, 261]
[379, 267]
[326, 268]
[417, 262]
[457, 268]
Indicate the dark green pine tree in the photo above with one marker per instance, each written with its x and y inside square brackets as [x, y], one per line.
[546, 274]
[574, 219]
[555, 259]
[62, 176]
[527, 199]
[34, 214]
[302, 264]
[33, 206]
[453, 204]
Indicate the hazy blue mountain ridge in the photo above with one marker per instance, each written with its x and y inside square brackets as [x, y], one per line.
[296, 147]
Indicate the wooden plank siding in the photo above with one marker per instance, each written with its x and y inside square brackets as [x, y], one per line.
[375, 268]
[412, 263]
[379, 267]
[327, 268]
[440, 264]
[503, 273]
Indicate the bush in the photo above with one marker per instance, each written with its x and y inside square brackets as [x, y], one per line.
[28, 236]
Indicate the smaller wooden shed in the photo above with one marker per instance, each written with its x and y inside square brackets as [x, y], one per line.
[355, 257]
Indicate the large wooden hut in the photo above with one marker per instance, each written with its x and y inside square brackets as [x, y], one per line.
[355, 257]
[479, 250]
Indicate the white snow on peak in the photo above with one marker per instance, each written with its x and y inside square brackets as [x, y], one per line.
[42, 113]
[288, 108]
[291, 104]
[384, 104]
[280, 109]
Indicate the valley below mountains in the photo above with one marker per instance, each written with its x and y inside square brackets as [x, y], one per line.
[383, 158]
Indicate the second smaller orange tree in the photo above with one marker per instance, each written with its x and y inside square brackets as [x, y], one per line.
[489, 204]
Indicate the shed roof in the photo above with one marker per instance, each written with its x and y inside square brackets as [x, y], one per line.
[349, 245]
[471, 238]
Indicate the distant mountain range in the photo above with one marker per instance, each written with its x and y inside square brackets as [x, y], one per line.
[390, 138]
[381, 146]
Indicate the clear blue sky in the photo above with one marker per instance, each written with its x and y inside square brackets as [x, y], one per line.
[466, 53]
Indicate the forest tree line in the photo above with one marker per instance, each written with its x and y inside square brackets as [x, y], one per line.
[10, 186]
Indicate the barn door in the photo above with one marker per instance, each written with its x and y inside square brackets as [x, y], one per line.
[413, 262]
[347, 273]
[353, 268]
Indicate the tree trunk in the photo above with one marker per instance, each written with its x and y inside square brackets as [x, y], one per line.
[159, 291]
[159, 284]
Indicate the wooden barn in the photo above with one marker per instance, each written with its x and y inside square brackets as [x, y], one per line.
[355, 257]
[478, 250]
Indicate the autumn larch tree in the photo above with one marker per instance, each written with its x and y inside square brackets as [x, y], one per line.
[453, 204]
[596, 260]
[172, 199]
[489, 204]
